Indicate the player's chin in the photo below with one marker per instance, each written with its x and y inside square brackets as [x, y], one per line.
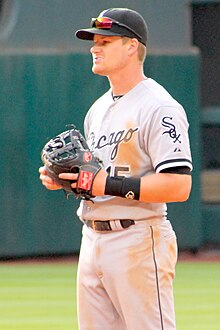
[98, 70]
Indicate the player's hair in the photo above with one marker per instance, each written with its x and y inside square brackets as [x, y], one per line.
[142, 50]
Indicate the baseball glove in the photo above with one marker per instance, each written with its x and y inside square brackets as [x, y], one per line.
[68, 152]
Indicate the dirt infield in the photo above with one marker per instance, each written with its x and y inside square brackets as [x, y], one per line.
[54, 259]
[203, 255]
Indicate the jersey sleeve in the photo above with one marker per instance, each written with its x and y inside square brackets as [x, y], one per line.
[168, 141]
[87, 122]
[86, 125]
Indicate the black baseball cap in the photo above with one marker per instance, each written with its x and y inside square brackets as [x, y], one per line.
[117, 22]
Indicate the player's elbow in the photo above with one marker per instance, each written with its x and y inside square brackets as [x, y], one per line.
[185, 189]
[184, 196]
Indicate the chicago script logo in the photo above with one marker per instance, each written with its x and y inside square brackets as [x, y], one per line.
[171, 129]
[115, 139]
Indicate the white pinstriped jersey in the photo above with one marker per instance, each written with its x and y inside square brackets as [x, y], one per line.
[143, 132]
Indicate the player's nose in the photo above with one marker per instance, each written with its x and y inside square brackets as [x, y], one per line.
[95, 49]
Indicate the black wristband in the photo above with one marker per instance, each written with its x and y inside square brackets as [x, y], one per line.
[123, 187]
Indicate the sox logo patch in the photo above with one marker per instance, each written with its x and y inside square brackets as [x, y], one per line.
[171, 129]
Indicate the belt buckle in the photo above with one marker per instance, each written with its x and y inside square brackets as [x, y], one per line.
[93, 225]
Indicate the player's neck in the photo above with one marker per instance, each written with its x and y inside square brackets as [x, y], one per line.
[122, 83]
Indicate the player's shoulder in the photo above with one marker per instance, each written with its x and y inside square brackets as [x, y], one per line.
[154, 100]
[158, 94]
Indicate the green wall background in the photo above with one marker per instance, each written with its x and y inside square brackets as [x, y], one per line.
[42, 93]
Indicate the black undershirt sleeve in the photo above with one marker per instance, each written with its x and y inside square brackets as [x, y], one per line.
[177, 170]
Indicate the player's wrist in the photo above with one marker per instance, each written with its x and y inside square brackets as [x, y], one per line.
[98, 186]
[123, 187]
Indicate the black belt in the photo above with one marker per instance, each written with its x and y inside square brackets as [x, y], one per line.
[106, 225]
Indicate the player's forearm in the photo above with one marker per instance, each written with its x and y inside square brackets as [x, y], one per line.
[165, 188]
[155, 188]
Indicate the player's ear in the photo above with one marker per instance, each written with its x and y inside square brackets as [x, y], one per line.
[133, 46]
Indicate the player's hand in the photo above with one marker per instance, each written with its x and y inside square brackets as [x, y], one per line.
[98, 186]
[47, 181]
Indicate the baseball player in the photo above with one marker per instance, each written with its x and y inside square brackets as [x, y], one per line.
[129, 251]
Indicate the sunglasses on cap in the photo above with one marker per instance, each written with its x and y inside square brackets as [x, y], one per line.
[107, 23]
